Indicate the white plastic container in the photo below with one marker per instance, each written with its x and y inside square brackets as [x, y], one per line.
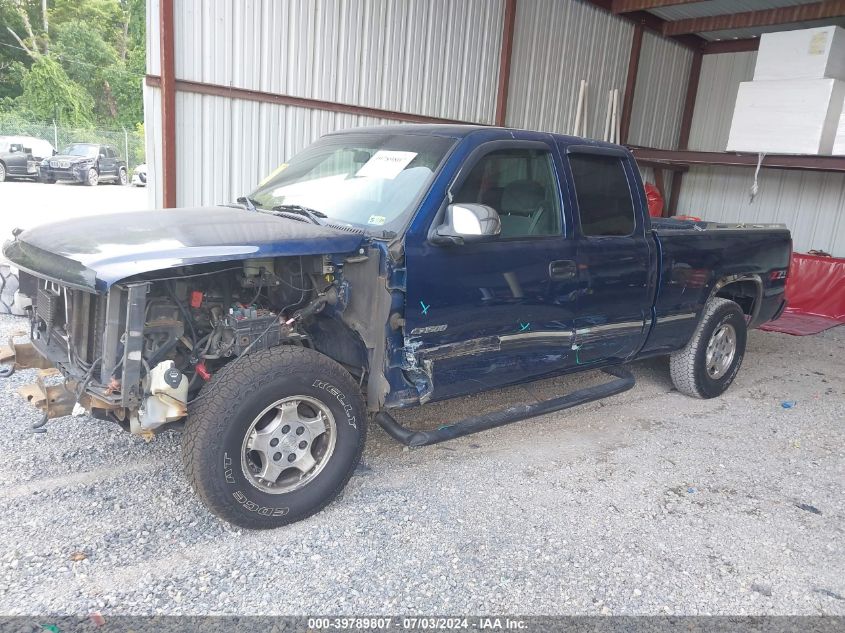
[805, 54]
[797, 116]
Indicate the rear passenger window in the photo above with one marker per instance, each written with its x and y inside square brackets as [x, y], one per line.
[604, 198]
[520, 185]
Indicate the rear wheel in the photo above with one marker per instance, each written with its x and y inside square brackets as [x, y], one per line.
[274, 438]
[708, 364]
[122, 177]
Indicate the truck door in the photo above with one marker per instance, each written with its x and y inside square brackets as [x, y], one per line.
[614, 255]
[485, 314]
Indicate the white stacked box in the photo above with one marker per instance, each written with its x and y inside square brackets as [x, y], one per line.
[794, 104]
[789, 116]
[806, 54]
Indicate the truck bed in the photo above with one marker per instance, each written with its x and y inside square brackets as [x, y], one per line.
[694, 255]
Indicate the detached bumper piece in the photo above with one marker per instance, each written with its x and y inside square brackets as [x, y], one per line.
[624, 381]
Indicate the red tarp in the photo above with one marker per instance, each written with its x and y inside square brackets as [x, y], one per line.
[815, 292]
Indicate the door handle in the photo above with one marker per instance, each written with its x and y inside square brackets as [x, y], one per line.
[563, 269]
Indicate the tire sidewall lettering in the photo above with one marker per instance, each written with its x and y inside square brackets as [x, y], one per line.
[340, 397]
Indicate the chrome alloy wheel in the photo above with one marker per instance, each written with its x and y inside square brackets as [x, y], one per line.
[93, 176]
[288, 444]
[721, 350]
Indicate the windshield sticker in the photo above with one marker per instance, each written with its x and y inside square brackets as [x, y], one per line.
[386, 164]
[273, 173]
[377, 220]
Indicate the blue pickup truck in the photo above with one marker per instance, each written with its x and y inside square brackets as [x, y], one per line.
[380, 268]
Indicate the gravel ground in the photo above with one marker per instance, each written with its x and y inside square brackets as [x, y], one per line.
[646, 503]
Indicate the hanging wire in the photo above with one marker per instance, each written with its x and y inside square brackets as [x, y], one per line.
[755, 187]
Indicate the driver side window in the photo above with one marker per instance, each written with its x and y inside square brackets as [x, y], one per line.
[520, 185]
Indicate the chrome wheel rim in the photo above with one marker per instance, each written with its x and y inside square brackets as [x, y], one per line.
[721, 350]
[123, 177]
[92, 176]
[2, 173]
[288, 444]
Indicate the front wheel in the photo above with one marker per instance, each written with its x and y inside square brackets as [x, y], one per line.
[707, 366]
[274, 437]
[92, 178]
[2, 172]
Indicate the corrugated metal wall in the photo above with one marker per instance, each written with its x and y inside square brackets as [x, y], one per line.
[437, 58]
[714, 103]
[413, 56]
[660, 92]
[810, 204]
[430, 57]
[556, 45]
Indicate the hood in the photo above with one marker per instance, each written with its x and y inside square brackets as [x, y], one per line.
[70, 158]
[95, 252]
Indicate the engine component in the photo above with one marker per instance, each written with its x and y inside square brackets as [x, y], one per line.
[259, 272]
[47, 305]
[167, 399]
[252, 325]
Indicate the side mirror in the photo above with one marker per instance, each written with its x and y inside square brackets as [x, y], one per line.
[467, 222]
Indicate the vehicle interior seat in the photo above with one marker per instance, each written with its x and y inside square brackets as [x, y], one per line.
[523, 209]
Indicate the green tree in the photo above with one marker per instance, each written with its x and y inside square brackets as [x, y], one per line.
[48, 93]
[100, 47]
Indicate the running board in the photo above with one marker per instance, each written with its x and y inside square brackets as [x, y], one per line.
[624, 381]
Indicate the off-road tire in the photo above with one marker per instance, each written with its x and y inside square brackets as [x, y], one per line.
[219, 420]
[687, 366]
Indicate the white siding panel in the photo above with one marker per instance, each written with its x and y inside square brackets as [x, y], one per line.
[811, 204]
[659, 93]
[231, 144]
[436, 58]
[152, 143]
[556, 45]
[153, 39]
[714, 105]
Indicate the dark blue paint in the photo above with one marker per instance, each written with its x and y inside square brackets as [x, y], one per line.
[116, 246]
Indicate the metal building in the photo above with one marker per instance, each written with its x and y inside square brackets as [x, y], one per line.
[235, 87]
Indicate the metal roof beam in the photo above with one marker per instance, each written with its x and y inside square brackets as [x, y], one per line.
[767, 17]
[627, 6]
[652, 23]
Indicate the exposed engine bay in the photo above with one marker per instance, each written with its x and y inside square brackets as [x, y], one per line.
[142, 352]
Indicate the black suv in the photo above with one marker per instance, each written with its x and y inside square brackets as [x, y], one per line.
[87, 163]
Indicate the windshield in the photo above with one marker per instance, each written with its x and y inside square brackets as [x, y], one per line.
[370, 179]
[88, 151]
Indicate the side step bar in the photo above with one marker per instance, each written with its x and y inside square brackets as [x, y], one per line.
[624, 381]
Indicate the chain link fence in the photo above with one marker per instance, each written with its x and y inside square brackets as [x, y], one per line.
[128, 143]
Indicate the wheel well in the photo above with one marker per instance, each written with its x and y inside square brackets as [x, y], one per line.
[744, 292]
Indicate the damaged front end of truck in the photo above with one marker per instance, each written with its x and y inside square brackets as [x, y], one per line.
[138, 349]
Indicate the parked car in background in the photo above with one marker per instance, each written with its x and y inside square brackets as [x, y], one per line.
[139, 176]
[16, 161]
[40, 148]
[88, 163]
